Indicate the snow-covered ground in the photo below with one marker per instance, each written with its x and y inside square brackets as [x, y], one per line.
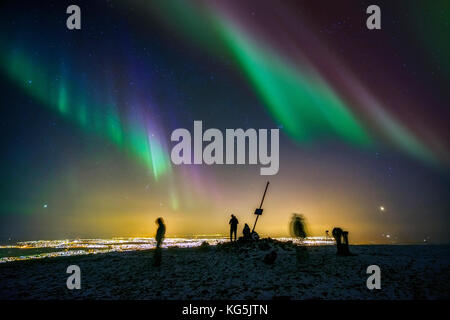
[237, 272]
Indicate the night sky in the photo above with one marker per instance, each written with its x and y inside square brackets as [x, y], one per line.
[86, 117]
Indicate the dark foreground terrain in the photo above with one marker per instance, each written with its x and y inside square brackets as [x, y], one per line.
[237, 272]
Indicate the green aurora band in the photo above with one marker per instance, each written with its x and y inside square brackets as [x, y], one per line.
[98, 117]
[302, 102]
[297, 98]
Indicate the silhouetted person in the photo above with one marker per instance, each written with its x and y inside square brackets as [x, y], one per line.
[298, 226]
[337, 235]
[341, 238]
[160, 233]
[246, 232]
[233, 227]
[345, 248]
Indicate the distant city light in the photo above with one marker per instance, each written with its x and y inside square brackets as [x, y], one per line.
[77, 247]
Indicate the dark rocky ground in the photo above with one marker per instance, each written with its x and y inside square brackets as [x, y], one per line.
[266, 269]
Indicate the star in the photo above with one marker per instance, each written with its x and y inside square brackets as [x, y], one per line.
[45, 205]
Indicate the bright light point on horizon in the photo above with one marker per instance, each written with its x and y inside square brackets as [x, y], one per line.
[388, 236]
[381, 208]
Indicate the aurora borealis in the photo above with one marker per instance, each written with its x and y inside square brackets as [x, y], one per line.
[87, 116]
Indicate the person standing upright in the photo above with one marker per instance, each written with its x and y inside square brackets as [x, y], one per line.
[160, 233]
[233, 227]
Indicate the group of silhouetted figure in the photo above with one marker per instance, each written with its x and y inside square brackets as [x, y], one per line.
[297, 227]
[298, 230]
[246, 233]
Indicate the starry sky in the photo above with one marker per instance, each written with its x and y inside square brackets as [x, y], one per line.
[86, 117]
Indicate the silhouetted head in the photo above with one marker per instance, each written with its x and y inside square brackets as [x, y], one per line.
[337, 234]
[159, 221]
[232, 215]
